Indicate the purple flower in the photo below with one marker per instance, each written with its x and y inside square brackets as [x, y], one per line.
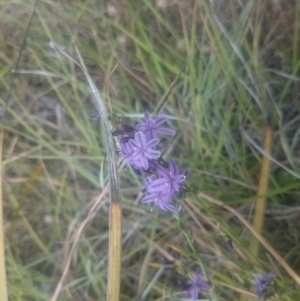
[160, 199]
[169, 181]
[141, 152]
[138, 151]
[261, 283]
[167, 186]
[197, 284]
[151, 126]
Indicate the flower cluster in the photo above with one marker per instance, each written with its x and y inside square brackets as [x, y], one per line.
[262, 283]
[197, 285]
[139, 147]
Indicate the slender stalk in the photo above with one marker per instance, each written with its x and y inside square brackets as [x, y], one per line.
[164, 99]
[259, 237]
[3, 288]
[261, 201]
[115, 250]
[115, 214]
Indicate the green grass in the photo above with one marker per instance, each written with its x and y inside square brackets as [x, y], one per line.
[240, 66]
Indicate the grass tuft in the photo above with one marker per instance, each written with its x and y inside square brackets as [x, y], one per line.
[236, 63]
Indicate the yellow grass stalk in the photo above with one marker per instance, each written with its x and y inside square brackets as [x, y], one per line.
[259, 237]
[260, 203]
[115, 249]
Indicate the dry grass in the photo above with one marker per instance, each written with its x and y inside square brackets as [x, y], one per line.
[241, 62]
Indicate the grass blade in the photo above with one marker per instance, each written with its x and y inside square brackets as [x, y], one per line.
[114, 264]
[262, 191]
[3, 289]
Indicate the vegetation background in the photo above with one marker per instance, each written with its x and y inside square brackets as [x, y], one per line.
[240, 61]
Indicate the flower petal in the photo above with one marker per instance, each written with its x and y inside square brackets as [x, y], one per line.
[140, 127]
[152, 154]
[193, 291]
[152, 143]
[150, 134]
[161, 184]
[171, 208]
[162, 171]
[165, 131]
[144, 163]
[147, 199]
[147, 117]
[140, 139]
[173, 168]
[160, 119]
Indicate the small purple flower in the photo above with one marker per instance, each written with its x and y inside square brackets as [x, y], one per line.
[169, 181]
[229, 245]
[138, 151]
[159, 198]
[141, 152]
[197, 284]
[167, 186]
[151, 126]
[261, 283]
